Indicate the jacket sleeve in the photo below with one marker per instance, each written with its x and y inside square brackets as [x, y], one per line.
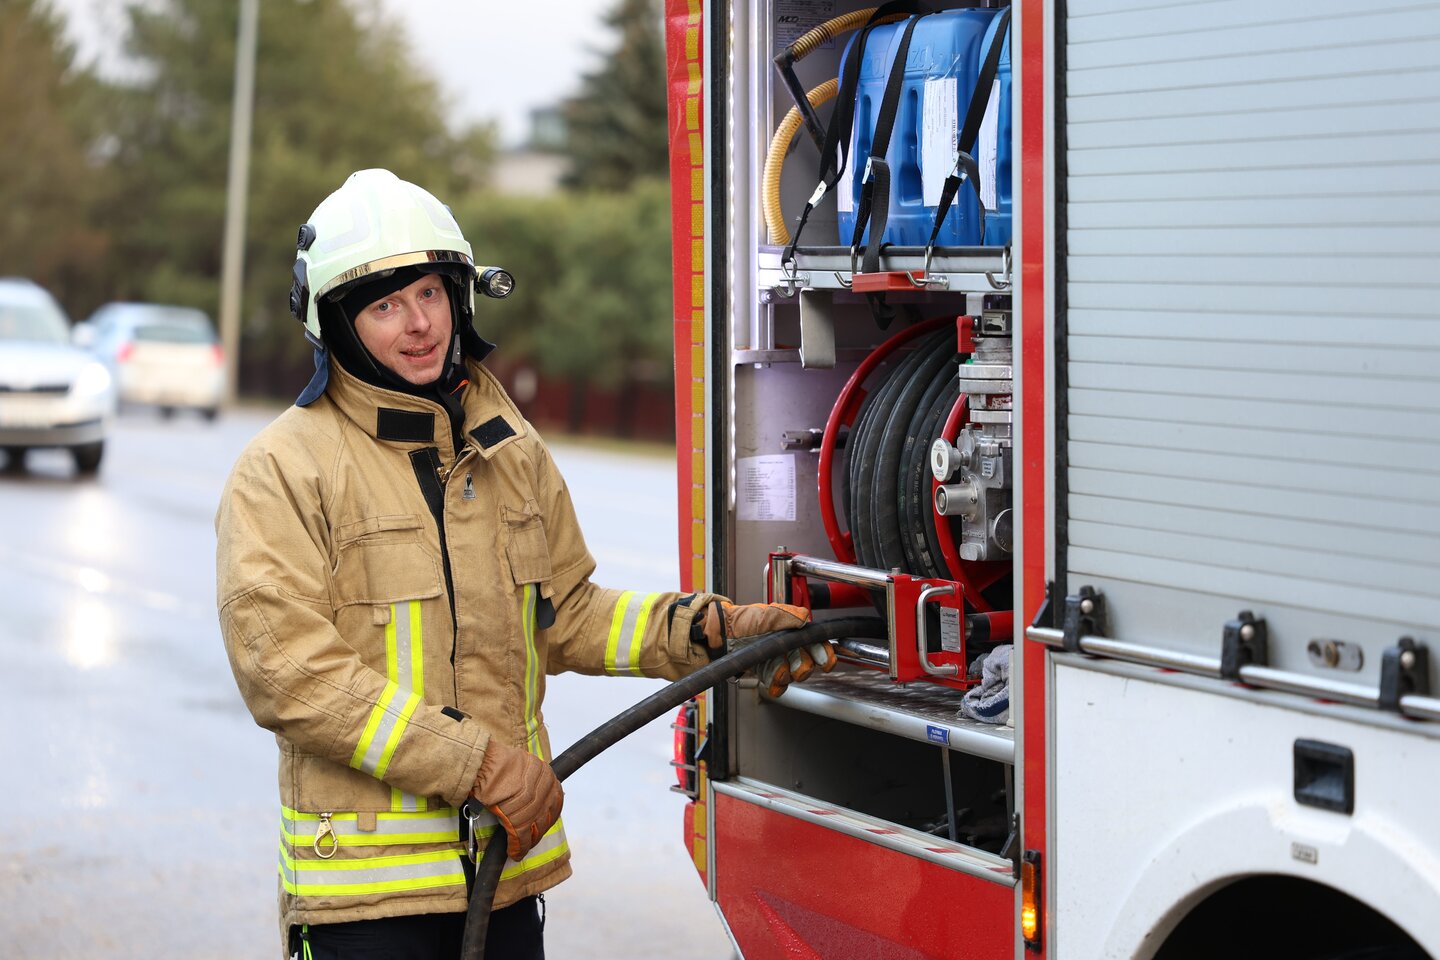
[598, 630]
[298, 676]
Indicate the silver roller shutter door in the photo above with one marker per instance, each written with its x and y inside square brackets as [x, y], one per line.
[1253, 322]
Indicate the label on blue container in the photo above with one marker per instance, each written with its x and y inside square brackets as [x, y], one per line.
[987, 148]
[939, 134]
[937, 734]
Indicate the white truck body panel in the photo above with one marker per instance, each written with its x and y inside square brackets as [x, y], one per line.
[1169, 787]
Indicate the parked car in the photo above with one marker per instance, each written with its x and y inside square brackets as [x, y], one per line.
[161, 356]
[52, 394]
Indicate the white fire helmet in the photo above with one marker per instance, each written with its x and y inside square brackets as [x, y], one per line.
[376, 222]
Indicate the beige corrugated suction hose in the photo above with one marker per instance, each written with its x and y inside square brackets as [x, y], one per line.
[775, 226]
[829, 30]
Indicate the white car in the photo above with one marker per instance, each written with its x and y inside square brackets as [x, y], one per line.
[160, 355]
[52, 394]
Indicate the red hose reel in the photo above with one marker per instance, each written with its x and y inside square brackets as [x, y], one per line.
[973, 576]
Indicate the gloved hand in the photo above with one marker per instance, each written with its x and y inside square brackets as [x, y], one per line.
[722, 620]
[522, 791]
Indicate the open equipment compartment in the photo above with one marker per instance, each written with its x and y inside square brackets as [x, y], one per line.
[811, 377]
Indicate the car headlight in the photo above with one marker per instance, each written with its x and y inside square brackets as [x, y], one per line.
[94, 381]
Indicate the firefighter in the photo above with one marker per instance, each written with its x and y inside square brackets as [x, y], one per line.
[399, 566]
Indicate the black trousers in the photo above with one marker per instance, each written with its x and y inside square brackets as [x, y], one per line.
[516, 933]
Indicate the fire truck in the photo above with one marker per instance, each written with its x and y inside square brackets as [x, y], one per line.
[1093, 346]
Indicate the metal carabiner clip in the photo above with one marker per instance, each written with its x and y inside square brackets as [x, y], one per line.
[473, 818]
[324, 829]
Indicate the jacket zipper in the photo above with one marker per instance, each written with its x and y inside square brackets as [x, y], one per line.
[433, 485]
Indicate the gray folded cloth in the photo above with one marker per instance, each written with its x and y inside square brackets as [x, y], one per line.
[989, 702]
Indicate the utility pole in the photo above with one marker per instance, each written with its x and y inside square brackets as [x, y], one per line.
[233, 258]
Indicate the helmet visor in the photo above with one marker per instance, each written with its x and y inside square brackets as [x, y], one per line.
[420, 258]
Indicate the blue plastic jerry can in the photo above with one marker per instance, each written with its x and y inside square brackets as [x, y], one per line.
[941, 71]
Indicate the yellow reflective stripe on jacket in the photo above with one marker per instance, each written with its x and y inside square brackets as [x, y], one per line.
[532, 673]
[405, 664]
[338, 878]
[382, 732]
[438, 826]
[627, 633]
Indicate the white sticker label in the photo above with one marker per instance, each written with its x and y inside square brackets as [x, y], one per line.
[794, 18]
[844, 191]
[987, 143]
[949, 630]
[938, 134]
[765, 487]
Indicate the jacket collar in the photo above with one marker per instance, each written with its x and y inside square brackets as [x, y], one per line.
[411, 423]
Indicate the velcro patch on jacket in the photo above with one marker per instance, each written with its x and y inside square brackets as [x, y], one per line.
[492, 431]
[406, 426]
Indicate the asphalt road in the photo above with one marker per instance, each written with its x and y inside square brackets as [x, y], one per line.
[138, 809]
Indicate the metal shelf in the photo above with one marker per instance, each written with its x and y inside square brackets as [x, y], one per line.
[917, 711]
[952, 269]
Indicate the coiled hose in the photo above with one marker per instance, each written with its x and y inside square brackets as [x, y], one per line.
[752, 654]
[886, 487]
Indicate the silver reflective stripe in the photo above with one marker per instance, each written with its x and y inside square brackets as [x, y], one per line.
[391, 711]
[440, 826]
[405, 647]
[627, 632]
[404, 672]
[330, 878]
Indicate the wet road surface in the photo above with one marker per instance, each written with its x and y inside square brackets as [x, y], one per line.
[139, 807]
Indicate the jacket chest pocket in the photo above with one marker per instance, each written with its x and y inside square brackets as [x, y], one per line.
[382, 560]
[525, 545]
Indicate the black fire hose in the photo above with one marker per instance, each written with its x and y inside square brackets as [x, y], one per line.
[612, 731]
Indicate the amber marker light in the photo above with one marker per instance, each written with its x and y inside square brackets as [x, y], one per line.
[1030, 899]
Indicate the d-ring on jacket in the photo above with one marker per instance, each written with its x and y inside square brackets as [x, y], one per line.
[389, 604]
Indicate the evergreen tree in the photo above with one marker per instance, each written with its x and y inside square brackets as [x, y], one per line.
[617, 128]
[46, 179]
[337, 89]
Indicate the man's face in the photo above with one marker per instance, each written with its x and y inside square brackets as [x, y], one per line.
[409, 330]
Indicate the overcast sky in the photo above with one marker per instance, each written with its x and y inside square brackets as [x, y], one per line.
[494, 60]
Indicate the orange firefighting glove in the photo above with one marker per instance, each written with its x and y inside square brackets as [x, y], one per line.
[722, 620]
[522, 791]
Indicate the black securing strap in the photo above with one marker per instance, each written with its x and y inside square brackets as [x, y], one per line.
[452, 713]
[406, 426]
[835, 152]
[873, 208]
[492, 431]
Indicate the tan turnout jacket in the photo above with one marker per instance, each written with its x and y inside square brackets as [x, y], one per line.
[384, 656]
